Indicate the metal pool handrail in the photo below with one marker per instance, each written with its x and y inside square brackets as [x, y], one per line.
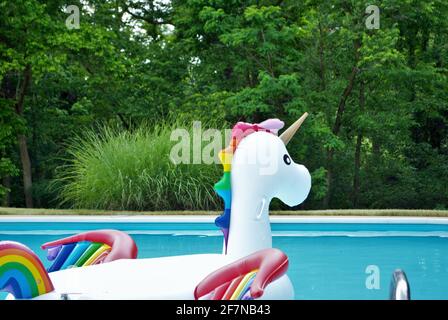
[399, 286]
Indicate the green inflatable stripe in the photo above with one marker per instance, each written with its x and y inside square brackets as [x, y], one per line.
[26, 273]
[224, 183]
[86, 255]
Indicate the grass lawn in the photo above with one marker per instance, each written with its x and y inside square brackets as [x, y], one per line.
[374, 212]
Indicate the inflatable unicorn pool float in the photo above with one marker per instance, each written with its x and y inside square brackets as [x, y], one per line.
[103, 264]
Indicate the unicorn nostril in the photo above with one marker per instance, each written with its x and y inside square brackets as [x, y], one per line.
[261, 209]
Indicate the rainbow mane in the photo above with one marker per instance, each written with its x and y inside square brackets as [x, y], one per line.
[21, 272]
[223, 187]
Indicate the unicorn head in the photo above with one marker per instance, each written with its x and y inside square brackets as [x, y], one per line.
[257, 168]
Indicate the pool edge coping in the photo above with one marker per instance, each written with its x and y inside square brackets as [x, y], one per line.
[211, 219]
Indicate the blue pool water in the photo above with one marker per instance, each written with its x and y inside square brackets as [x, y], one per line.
[327, 260]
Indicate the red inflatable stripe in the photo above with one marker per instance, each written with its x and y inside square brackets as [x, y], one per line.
[231, 289]
[271, 264]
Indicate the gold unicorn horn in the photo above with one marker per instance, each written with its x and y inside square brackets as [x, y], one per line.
[287, 135]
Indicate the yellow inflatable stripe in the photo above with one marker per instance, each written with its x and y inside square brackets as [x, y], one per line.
[241, 286]
[92, 258]
[226, 160]
[34, 271]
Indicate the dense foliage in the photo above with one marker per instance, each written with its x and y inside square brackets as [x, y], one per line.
[378, 98]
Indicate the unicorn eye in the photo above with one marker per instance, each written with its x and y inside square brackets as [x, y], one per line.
[287, 159]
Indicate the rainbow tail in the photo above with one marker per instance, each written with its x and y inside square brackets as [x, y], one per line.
[90, 248]
[21, 272]
[244, 279]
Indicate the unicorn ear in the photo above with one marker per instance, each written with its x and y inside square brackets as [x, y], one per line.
[289, 133]
[272, 125]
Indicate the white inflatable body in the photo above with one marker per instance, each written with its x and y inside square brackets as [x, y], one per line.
[261, 170]
[170, 278]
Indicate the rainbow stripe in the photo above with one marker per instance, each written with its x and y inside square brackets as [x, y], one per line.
[77, 254]
[21, 272]
[244, 286]
[238, 288]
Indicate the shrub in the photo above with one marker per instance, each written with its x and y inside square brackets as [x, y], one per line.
[131, 170]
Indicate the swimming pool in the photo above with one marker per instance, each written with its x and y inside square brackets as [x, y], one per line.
[330, 258]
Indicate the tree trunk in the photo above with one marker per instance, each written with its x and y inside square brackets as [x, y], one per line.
[323, 87]
[342, 102]
[336, 129]
[7, 198]
[23, 147]
[34, 163]
[376, 149]
[328, 178]
[26, 169]
[356, 180]
[323, 84]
